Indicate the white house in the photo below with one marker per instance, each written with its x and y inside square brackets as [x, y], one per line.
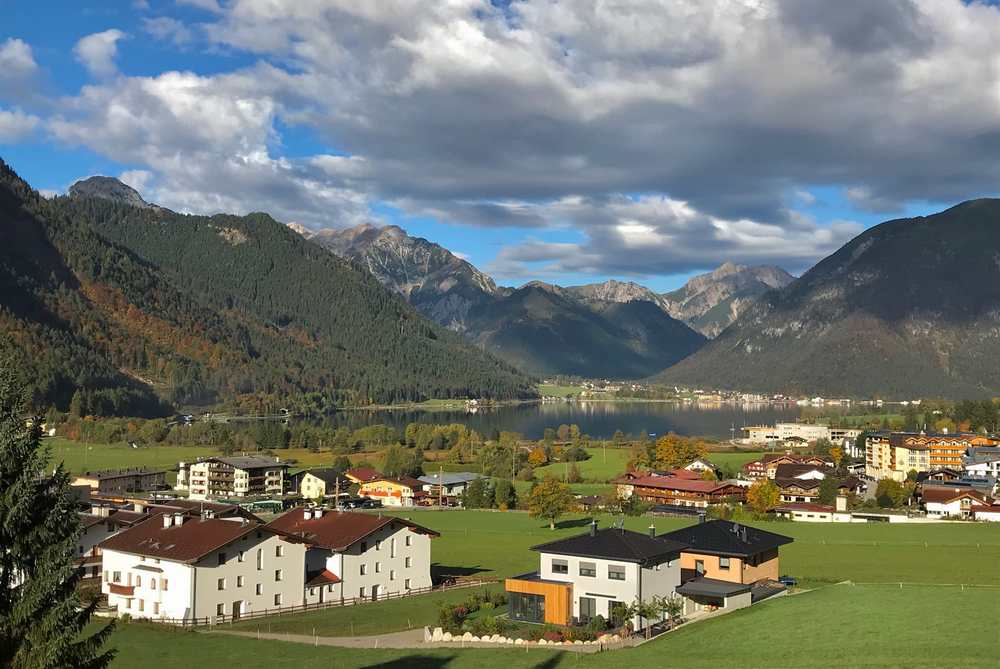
[985, 513]
[100, 524]
[940, 501]
[361, 555]
[447, 484]
[595, 574]
[699, 465]
[177, 567]
[228, 477]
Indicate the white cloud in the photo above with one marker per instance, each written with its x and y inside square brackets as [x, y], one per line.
[15, 125]
[97, 52]
[168, 29]
[18, 69]
[137, 179]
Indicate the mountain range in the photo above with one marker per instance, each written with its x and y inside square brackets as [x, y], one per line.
[909, 308]
[112, 306]
[612, 329]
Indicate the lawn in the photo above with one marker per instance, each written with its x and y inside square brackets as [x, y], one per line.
[365, 619]
[836, 626]
[732, 459]
[79, 457]
[553, 390]
[603, 465]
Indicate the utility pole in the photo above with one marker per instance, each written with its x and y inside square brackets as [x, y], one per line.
[440, 486]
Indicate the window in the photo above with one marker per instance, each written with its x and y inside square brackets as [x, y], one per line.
[617, 612]
[616, 572]
[242, 556]
[364, 546]
[699, 566]
[260, 559]
[361, 592]
[138, 581]
[724, 561]
[220, 609]
[329, 588]
[312, 592]
[116, 577]
[279, 551]
[560, 567]
[392, 547]
[163, 584]
[156, 608]
[378, 544]
[406, 584]
[239, 581]
[409, 540]
[258, 589]
[588, 569]
[588, 608]
[222, 584]
[107, 577]
[142, 605]
[277, 575]
[277, 599]
[222, 558]
[392, 574]
[529, 608]
[152, 584]
[364, 569]
[378, 567]
[408, 561]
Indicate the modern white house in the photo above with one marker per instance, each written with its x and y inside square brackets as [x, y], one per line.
[231, 477]
[178, 567]
[359, 555]
[941, 501]
[595, 574]
[447, 484]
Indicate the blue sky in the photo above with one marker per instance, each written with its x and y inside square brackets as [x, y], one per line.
[634, 145]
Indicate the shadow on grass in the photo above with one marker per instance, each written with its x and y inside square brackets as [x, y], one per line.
[413, 662]
[550, 663]
[440, 571]
[575, 522]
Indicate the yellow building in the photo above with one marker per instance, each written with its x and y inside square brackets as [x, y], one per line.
[888, 456]
[402, 491]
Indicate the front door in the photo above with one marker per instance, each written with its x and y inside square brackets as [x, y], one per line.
[237, 609]
[375, 590]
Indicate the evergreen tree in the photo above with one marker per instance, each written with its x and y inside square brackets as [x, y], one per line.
[42, 621]
[477, 495]
[504, 495]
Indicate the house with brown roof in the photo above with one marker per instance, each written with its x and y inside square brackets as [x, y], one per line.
[359, 555]
[122, 481]
[677, 491]
[395, 491]
[98, 525]
[362, 475]
[955, 502]
[768, 464]
[177, 567]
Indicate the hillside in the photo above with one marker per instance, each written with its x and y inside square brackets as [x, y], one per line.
[129, 304]
[710, 302]
[908, 308]
[613, 329]
[548, 332]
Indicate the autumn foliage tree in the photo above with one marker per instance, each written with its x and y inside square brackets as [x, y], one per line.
[674, 451]
[763, 496]
[550, 499]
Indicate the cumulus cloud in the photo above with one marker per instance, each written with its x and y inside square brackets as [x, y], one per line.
[168, 29]
[97, 52]
[17, 68]
[15, 125]
[669, 134]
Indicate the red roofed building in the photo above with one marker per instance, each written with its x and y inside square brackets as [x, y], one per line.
[361, 475]
[370, 556]
[678, 491]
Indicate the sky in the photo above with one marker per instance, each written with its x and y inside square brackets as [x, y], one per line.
[571, 142]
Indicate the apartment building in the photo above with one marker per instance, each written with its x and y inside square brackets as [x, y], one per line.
[888, 455]
[680, 490]
[801, 432]
[401, 491]
[232, 477]
[178, 567]
[359, 555]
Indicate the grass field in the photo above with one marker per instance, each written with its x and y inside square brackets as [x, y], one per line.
[552, 390]
[835, 626]
[604, 464]
[79, 457]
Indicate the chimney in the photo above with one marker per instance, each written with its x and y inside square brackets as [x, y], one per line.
[701, 517]
[593, 528]
[167, 520]
[178, 519]
[652, 531]
[307, 514]
[139, 508]
[318, 512]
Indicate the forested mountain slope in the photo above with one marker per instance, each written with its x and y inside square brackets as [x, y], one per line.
[126, 304]
[910, 307]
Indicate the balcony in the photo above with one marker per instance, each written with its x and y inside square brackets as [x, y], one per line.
[118, 589]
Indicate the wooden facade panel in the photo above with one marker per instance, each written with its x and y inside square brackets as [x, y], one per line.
[558, 598]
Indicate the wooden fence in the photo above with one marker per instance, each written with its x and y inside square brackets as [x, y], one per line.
[317, 606]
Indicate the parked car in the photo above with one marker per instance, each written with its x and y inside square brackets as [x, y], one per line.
[787, 581]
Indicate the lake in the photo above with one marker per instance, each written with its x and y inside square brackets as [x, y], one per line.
[597, 419]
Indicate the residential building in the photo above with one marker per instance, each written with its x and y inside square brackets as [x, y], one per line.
[982, 462]
[447, 484]
[985, 513]
[700, 465]
[941, 501]
[319, 483]
[888, 455]
[677, 491]
[401, 491]
[727, 565]
[599, 573]
[362, 475]
[176, 567]
[767, 465]
[100, 524]
[122, 481]
[809, 512]
[359, 555]
[232, 477]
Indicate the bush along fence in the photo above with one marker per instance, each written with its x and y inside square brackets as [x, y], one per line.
[317, 606]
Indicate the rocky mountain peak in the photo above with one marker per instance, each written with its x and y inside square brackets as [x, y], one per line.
[109, 188]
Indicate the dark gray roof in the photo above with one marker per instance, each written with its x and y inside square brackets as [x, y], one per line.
[329, 476]
[615, 544]
[249, 462]
[710, 587]
[450, 478]
[722, 537]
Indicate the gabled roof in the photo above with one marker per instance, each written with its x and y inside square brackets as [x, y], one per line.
[614, 544]
[363, 474]
[942, 495]
[247, 462]
[188, 542]
[449, 478]
[107, 474]
[408, 481]
[338, 530]
[722, 537]
[794, 470]
[328, 476]
[675, 483]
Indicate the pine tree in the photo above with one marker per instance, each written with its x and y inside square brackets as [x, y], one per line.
[42, 620]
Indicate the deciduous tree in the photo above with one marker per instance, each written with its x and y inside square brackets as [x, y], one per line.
[763, 496]
[550, 499]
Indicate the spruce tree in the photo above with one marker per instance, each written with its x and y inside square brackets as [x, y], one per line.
[42, 620]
